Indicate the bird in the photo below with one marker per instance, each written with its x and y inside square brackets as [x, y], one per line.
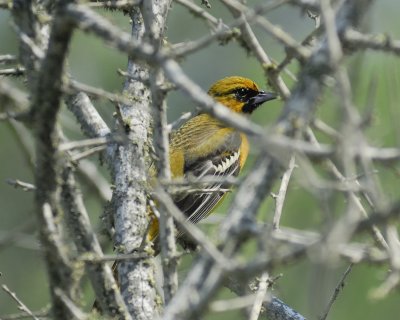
[206, 147]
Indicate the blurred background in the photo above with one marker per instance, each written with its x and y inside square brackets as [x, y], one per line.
[305, 285]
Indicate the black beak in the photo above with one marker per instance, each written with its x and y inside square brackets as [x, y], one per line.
[262, 97]
[257, 100]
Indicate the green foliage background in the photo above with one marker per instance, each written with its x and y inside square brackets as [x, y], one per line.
[305, 285]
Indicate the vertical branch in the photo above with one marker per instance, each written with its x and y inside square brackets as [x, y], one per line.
[154, 17]
[46, 104]
[166, 223]
[100, 275]
[25, 17]
[129, 199]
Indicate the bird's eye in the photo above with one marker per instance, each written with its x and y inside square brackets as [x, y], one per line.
[241, 94]
[244, 94]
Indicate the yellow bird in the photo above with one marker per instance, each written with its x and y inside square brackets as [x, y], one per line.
[206, 147]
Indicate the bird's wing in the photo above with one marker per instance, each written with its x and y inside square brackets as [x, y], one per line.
[223, 162]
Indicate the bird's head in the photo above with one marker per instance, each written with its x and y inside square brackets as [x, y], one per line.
[239, 94]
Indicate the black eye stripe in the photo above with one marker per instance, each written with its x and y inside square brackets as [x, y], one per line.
[244, 94]
[241, 94]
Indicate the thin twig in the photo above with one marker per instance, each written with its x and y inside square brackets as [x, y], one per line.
[41, 314]
[70, 145]
[178, 122]
[189, 228]
[15, 72]
[21, 305]
[25, 186]
[96, 92]
[379, 42]
[252, 42]
[74, 310]
[237, 303]
[260, 297]
[84, 154]
[280, 197]
[7, 59]
[337, 291]
[115, 4]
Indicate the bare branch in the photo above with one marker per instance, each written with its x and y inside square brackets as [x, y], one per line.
[91, 122]
[103, 282]
[151, 12]
[259, 298]
[114, 4]
[21, 305]
[380, 42]
[337, 291]
[46, 104]
[280, 197]
[272, 308]
[252, 42]
[14, 72]
[20, 184]
[200, 239]
[7, 59]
